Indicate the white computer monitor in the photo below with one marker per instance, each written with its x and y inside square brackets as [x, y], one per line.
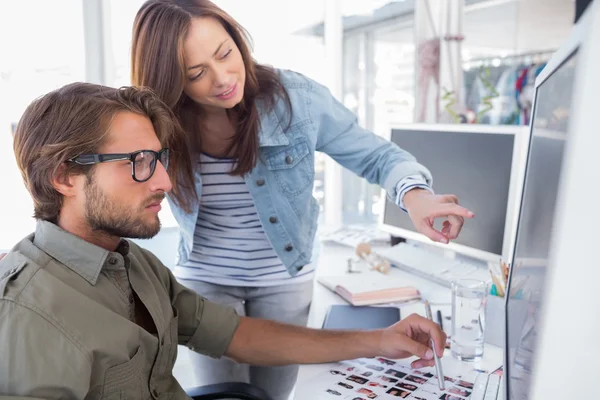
[483, 165]
[567, 352]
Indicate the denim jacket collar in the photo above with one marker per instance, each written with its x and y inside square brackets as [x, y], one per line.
[270, 132]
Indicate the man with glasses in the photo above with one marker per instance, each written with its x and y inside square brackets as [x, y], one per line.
[86, 313]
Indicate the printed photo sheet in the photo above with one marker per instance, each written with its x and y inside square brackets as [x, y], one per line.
[383, 379]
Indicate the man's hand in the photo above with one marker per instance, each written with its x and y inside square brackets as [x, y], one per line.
[424, 207]
[411, 337]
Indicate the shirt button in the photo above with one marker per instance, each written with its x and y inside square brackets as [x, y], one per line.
[273, 219]
[260, 182]
[289, 247]
[289, 159]
[112, 261]
[300, 268]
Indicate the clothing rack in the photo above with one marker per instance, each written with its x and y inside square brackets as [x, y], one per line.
[533, 57]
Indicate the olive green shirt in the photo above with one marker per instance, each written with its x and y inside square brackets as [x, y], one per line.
[73, 321]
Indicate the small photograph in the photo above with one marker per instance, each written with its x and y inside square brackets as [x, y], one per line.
[333, 392]
[336, 372]
[367, 374]
[448, 379]
[388, 379]
[449, 397]
[407, 386]
[416, 379]
[465, 384]
[395, 373]
[421, 373]
[398, 392]
[459, 391]
[345, 385]
[385, 361]
[357, 379]
[376, 384]
[375, 367]
[368, 392]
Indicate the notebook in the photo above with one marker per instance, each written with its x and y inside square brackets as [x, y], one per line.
[341, 316]
[369, 288]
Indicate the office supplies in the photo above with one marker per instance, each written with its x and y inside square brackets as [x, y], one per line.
[432, 266]
[376, 262]
[370, 288]
[436, 359]
[439, 317]
[345, 317]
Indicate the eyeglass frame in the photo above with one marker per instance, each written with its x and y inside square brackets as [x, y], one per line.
[92, 159]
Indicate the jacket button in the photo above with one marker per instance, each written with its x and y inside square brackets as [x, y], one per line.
[289, 159]
[112, 261]
[260, 182]
[289, 247]
[273, 219]
[300, 268]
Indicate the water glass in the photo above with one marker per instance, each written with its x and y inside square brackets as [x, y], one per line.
[467, 334]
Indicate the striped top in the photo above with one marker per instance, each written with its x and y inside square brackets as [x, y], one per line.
[230, 244]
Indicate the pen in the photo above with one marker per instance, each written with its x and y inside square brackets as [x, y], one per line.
[436, 359]
[439, 316]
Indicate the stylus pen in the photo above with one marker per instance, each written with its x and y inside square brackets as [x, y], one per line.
[436, 359]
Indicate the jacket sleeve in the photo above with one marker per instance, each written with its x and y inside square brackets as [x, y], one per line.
[361, 151]
[37, 359]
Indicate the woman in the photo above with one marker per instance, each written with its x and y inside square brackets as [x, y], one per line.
[243, 195]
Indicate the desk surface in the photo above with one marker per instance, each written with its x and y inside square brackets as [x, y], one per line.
[332, 261]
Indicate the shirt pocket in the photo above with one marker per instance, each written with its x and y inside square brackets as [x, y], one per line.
[124, 381]
[293, 167]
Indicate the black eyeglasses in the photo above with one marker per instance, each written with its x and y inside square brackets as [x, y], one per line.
[143, 162]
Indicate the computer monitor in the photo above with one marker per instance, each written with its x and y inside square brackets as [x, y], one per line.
[551, 131]
[483, 166]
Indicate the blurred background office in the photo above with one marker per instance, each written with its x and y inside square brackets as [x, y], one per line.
[390, 61]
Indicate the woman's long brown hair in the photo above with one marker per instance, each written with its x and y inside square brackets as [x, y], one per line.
[157, 62]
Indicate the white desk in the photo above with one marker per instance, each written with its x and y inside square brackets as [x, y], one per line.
[332, 261]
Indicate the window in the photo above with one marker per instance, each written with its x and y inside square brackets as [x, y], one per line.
[38, 53]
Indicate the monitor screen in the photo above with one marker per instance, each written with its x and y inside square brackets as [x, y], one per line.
[475, 166]
[536, 221]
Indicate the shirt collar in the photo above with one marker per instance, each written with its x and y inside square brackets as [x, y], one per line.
[82, 257]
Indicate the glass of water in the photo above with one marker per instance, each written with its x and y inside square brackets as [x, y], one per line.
[468, 300]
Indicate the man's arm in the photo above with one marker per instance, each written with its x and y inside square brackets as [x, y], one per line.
[262, 342]
[37, 360]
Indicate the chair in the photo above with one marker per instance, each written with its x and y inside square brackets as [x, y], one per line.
[229, 390]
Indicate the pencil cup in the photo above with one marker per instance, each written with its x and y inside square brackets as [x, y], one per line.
[468, 299]
[494, 320]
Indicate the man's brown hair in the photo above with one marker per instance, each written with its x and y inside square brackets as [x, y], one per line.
[75, 120]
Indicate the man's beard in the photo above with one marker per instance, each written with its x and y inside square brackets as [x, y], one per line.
[113, 219]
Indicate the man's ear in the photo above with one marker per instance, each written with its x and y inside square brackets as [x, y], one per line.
[66, 183]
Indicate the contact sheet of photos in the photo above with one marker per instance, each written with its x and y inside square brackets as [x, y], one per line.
[383, 379]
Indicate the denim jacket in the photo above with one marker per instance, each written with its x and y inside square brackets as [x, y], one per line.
[281, 183]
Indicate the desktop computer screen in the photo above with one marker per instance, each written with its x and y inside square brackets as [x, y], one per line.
[480, 165]
[535, 226]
